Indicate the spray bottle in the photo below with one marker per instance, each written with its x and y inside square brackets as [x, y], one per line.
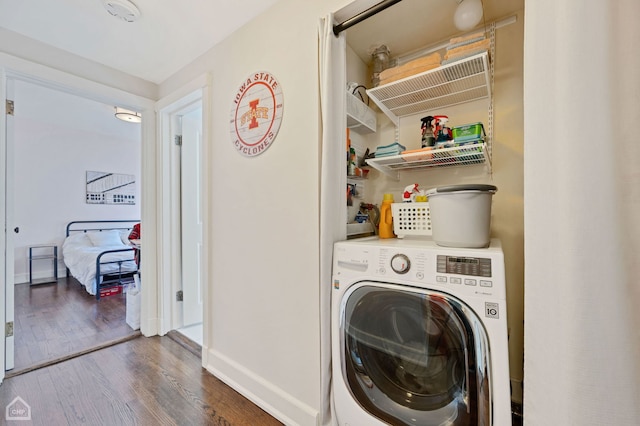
[443, 133]
[428, 139]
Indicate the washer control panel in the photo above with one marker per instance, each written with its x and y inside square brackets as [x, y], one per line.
[477, 272]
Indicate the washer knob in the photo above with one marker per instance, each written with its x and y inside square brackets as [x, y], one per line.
[400, 264]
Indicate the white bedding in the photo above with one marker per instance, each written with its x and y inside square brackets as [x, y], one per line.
[80, 254]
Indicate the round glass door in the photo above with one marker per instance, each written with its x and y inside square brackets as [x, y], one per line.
[415, 357]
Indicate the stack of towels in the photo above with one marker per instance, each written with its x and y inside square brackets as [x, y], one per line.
[414, 67]
[386, 150]
[466, 46]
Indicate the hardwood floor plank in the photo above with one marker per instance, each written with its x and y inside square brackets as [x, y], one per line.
[144, 381]
[56, 320]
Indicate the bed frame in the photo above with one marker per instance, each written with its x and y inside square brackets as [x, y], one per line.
[111, 280]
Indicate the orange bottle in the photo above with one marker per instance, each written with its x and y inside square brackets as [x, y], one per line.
[385, 229]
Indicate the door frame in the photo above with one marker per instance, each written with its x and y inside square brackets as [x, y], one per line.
[19, 69]
[169, 263]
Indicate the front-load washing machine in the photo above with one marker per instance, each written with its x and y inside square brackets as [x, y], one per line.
[419, 334]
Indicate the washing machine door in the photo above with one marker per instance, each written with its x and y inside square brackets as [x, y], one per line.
[415, 357]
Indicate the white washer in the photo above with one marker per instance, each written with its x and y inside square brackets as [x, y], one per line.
[419, 334]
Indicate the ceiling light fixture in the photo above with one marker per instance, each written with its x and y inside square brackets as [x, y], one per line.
[126, 115]
[122, 9]
[468, 14]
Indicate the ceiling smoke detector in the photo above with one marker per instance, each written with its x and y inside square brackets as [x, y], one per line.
[122, 9]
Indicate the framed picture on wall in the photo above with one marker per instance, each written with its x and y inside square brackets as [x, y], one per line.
[110, 188]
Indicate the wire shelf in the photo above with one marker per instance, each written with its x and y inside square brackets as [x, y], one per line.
[458, 82]
[444, 157]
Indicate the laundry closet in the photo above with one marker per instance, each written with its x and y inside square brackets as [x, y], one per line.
[485, 87]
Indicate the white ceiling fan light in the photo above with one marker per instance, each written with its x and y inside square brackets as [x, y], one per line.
[127, 115]
[468, 14]
[122, 9]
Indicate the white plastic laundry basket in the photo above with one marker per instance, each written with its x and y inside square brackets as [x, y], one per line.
[411, 219]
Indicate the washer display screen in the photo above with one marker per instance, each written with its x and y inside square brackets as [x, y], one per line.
[474, 266]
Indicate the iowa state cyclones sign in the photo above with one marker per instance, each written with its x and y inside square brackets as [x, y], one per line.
[256, 113]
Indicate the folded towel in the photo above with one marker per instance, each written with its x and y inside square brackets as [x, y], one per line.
[463, 56]
[390, 146]
[420, 154]
[408, 73]
[462, 41]
[393, 149]
[478, 46]
[388, 154]
[416, 66]
[434, 58]
[413, 151]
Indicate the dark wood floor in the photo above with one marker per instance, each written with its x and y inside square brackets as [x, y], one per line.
[53, 321]
[143, 381]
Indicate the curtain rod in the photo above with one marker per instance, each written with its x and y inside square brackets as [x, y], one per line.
[338, 28]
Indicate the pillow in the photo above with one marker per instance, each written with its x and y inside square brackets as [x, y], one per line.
[76, 240]
[124, 236]
[79, 238]
[109, 238]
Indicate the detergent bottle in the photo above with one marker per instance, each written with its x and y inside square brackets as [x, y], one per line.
[385, 229]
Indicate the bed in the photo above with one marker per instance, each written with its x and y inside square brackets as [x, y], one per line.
[98, 255]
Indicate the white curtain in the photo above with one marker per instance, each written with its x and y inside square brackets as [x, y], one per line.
[333, 183]
[582, 213]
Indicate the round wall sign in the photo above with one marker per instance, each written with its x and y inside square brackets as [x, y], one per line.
[256, 113]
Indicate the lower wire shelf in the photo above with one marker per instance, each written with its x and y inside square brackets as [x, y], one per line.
[442, 157]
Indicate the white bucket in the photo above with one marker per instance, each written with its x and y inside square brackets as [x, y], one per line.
[461, 215]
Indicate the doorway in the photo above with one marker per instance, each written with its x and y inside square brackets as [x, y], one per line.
[182, 292]
[190, 148]
[55, 137]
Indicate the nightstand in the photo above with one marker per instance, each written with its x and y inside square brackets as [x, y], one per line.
[43, 252]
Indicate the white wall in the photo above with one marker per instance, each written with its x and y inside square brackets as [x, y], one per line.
[263, 277]
[58, 138]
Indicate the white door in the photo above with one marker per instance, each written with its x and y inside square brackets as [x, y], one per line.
[191, 228]
[10, 229]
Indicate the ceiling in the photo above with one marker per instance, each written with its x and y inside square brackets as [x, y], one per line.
[415, 24]
[168, 35]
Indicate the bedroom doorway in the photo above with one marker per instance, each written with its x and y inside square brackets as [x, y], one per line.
[58, 318]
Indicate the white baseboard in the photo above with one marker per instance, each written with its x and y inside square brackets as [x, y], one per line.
[20, 279]
[24, 278]
[280, 404]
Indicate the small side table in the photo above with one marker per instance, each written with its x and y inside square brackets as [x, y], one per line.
[43, 252]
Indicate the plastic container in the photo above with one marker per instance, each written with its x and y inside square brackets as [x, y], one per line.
[468, 132]
[385, 229]
[412, 219]
[461, 215]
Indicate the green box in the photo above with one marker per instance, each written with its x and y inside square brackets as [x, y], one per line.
[468, 132]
